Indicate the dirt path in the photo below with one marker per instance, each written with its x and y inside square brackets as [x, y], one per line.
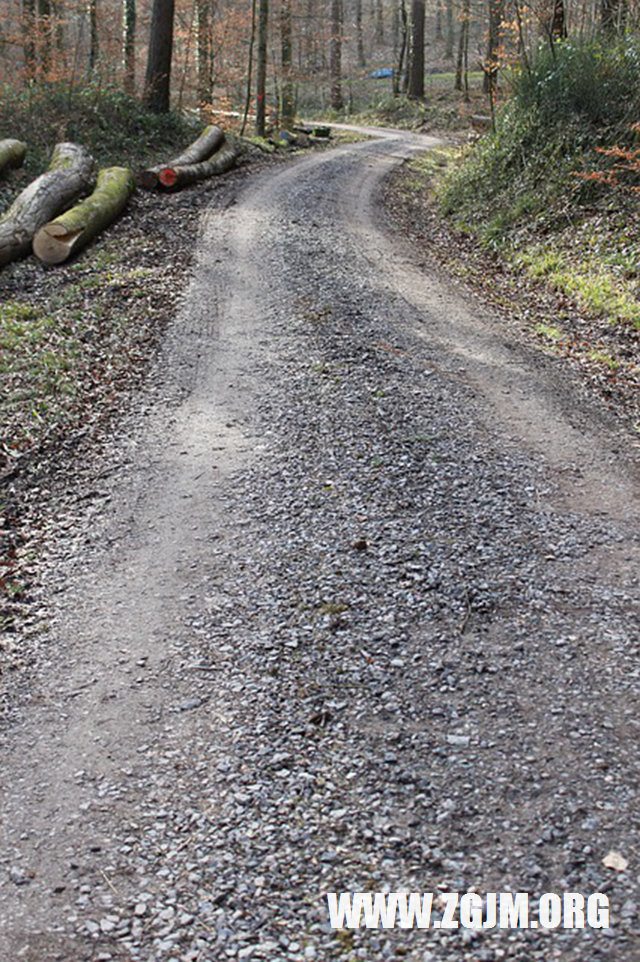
[362, 614]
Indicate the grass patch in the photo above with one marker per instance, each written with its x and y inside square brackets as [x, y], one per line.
[39, 355]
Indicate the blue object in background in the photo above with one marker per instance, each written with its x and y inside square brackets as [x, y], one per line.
[381, 73]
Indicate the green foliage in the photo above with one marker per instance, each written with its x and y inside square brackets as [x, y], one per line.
[522, 189]
[569, 102]
[593, 86]
[112, 125]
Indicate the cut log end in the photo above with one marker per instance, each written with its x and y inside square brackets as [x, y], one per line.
[52, 244]
[168, 177]
[149, 179]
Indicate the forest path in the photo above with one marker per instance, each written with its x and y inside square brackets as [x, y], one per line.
[362, 614]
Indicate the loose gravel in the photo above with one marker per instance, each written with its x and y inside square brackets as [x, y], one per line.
[343, 622]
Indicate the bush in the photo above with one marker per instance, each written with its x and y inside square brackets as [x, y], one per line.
[113, 126]
[573, 99]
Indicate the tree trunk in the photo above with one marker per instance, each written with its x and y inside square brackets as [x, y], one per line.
[62, 237]
[70, 174]
[173, 178]
[44, 33]
[261, 67]
[449, 37]
[12, 154]
[416, 70]
[129, 17]
[287, 110]
[28, 38]
[439, 33]
[379, 23]
[203, 52]
[94, 42]
[252, 41]
[359, 35]
[210, 140]
[462, 70]
[157, 83]
[335, 55]
[491, 64]
[403, 48]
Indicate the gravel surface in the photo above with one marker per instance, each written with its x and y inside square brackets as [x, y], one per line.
[356, 609]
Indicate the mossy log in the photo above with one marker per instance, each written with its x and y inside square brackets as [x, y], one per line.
[210, 140]
[12, 154]
[173, 178]
[65, 235]
[69, 175]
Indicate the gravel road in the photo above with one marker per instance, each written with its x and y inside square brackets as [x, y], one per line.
[356, 609]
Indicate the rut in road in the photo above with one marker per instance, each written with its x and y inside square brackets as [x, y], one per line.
[362, 615]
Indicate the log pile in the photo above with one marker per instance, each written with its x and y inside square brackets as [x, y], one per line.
[173, 177]
[69, 175]
[207, 156]
[12, 154]
[68, 233]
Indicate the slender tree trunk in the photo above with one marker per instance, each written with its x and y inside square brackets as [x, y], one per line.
[439, 33]
[203, 52]
[261, 70]
[252, 41]
[287, 111]
[157, 85]
[28, 38]
[129, 45]
[94, 48]
[44, 33]
[416, 71]
[496, 12]
[403, 48]
[379, 23]
[462, 68]
[449, 37]
[359, 35]
[335, 55]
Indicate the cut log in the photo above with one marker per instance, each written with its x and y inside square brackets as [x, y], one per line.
[173, 178]
[12, 154]
[70, 174]
[210, 140]
[65, 235]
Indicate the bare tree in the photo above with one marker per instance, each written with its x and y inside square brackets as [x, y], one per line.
[203, 52]
[94, 40]
[129, 17]
[157, 84]
[335, 55]
[287, 109]
[416, 67]
[261, 67]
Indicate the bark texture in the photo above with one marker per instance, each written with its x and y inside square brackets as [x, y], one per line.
[210, 140]
[12, 154]
[69, 175]
[62, 237]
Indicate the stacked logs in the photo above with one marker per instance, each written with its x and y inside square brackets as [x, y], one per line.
[209, 155]
[49, 215]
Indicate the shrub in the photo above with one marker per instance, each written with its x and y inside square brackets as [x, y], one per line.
[114, 126]
[572, 99]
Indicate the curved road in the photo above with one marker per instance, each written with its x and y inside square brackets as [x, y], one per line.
[361, 614]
